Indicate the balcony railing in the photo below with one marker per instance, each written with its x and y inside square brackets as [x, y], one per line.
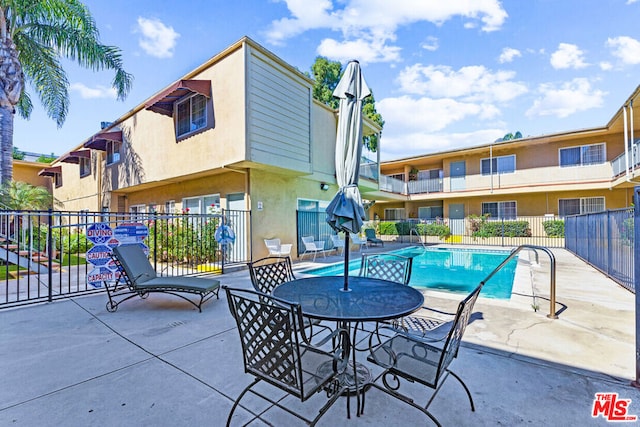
[393, 185]
[619, 164]
[431, 185]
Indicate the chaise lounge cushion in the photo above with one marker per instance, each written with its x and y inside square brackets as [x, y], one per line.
[187, 283]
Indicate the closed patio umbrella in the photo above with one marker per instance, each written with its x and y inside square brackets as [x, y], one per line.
[345, 212]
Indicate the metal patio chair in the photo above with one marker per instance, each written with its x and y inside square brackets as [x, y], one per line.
[277, 352]
[312, 247]
[396, 268]
[422, 361]
[370, 234]
[269, 272]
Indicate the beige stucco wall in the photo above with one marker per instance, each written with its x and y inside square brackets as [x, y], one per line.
[28, 172]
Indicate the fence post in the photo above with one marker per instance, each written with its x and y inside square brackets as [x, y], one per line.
[636, 276]
[50, 254]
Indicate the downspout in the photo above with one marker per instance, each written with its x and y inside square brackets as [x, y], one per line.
[633, 146]
[491, 165]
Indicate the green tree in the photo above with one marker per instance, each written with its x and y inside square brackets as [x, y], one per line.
[17, 154]
[35, 35]
[18, 195]
[326, 75]
[46, 158]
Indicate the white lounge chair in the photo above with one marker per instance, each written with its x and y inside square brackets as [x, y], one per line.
[312, 247]
[278, 249]
[338, 243]
[357, 240]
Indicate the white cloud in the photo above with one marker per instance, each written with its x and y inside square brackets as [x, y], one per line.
[566, 99]
[157, 39]
[625, 48]
[418, 143]
[430, 44]
[567, 56]
[605, 66]
[377, 21]
[95, 92]
[631, 1]
[472, 83]
[365, 51]
[508, 54]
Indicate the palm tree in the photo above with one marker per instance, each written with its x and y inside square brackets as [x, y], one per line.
[34, 36]
[18, 195]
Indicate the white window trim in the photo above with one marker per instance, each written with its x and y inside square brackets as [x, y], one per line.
[81, 161]
[582, 200]
[175, 112]
[501, 203]
[109, 147]
[203, 209]
[604, 155]
[515, 165]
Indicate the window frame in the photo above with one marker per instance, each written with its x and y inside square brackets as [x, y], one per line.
[581, 149]
[110, 145]
[496, 170]
[401, 211]
[202, 203]
[582, 202]
[84, 164]
[57, 179]
[176, 113]
[500, 210]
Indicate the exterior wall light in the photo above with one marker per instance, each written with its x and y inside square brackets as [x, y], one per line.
[324, 186]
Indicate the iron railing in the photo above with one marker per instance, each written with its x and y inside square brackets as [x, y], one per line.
[605, 240]
[43, 254]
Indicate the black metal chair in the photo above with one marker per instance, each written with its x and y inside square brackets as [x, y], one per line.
[275, 350]
[269, 272]
[395, 268]
[419, 360]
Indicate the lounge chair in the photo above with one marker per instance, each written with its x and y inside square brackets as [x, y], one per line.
[276, 248]
[140, 278]
[338, 243]
[357, 240]
[312, 247]
[370, 234]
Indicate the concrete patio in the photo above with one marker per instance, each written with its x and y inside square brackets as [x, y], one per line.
[160, 362]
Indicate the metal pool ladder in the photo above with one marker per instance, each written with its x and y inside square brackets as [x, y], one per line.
[552, 300]
[415, 231]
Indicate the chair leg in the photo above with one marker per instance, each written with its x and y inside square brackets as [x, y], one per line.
[473, 407]
[235, 404]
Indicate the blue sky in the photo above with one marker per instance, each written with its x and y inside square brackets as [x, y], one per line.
[445, 74]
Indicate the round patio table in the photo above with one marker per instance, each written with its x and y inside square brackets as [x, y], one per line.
[367, 300]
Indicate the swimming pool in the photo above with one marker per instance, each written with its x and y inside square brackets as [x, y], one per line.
[448, 269]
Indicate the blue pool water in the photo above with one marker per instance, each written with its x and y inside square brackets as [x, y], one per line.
[448, 269]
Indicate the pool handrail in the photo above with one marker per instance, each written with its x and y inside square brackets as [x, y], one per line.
[552, 300]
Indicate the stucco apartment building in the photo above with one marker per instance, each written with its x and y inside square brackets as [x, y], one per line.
[579, 171]
[240, 132]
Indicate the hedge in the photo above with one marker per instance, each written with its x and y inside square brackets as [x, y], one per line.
[404, 228]
[554, 228]
[502, 228]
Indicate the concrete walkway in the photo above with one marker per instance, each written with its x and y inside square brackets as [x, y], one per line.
[159, 362]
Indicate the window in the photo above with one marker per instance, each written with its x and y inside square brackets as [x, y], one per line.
[113, 152]
[137, 212]
[498, 165]
[583, 155]
[170, 206]
[582, 205]
[500, 210]
[394, 214]
[85, 166]
[430, 174]
[202, 205]
[57, 179]
[430, 212]
[191, 114]
[399, 176]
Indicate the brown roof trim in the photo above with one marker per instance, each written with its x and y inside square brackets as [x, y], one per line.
[75, 156]
[99, 140]
[50, 171]
[163, 102]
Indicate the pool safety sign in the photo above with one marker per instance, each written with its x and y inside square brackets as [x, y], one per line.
[105, 239]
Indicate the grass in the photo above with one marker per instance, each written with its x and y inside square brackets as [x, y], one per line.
[71, 259]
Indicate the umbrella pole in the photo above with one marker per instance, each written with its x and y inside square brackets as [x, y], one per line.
[346, 261]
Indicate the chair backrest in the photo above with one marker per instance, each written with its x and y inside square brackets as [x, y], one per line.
[269, 272]
[135, 263]
[337, 241]
[272, 244]
[356, 239]
[395, 268]
[309, 243]
[269, 337]
[370, 233]
[452, 344]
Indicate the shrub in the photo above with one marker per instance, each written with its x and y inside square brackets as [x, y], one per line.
[501, 228]
[554, 228]
[434, 229]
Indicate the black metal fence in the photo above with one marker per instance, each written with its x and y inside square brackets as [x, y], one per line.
[43, 255]
[606, 241]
